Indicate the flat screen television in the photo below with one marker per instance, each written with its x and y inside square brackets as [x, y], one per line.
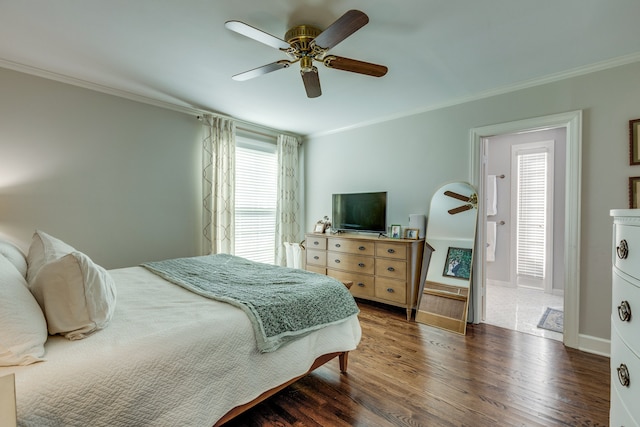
[366, 212]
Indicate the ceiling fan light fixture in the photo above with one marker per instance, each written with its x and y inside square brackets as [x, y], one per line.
[306, 64]
[305, 44]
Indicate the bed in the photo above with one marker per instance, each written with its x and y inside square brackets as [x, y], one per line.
[166, 356]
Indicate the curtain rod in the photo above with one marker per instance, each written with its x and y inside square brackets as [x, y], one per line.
[248, 126]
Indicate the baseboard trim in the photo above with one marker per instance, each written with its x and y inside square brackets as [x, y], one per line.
[594, 345]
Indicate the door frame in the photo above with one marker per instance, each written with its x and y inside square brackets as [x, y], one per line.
[572, 122]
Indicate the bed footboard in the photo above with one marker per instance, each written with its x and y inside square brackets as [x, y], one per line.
[343, 358]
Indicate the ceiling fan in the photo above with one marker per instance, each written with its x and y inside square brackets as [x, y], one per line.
[306, 44]
[471, 202]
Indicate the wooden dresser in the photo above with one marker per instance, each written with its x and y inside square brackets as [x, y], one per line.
[625, 319]
[381, 269]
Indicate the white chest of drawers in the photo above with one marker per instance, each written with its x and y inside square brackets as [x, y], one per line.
[625, 319]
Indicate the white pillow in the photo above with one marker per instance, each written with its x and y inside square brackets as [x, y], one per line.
[23, 329]
[44, 248]
[77, 296]
[15, 255]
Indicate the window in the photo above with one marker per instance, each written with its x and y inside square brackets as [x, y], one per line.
[256, 182]
[532, 213]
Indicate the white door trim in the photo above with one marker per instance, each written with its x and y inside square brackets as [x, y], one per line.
[572, 121]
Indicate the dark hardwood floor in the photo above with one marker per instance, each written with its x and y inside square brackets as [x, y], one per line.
[409, 374]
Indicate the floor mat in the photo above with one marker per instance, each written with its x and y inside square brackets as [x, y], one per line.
[552, 320]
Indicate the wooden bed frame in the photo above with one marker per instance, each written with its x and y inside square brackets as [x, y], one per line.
[343, 358]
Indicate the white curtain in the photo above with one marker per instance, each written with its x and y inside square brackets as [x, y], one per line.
[288, 206]
[218, 185]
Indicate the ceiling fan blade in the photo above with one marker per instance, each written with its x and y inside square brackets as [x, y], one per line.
[257, 72]
[342, 28]
[459, 209]
[347, 64]
[456, 196]
[256, 34]
[311, 82]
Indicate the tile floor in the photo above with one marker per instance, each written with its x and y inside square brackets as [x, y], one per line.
[520, 309]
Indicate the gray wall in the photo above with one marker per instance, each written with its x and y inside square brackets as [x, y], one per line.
[411, 156]
[116, 179]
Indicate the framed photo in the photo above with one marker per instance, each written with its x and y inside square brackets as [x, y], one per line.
[411, 233]
[458, 263]
[634, 192]
[319, 228]
[634, 149]
[396, 231]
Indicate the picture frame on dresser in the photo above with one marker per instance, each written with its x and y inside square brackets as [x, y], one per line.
[319, 228]
[634, 192]
[634, 143]
[411, 233]
[396, 231]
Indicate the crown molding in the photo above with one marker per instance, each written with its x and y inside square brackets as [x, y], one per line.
[551, 78]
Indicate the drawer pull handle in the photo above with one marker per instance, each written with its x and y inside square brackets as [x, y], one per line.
[337, 261]
[390, 290]
[316, 243]
[316, 257]
[361, 248]
[624, 311]
[361, 264]
[337, 245]
[391, 251]
[623, 375]
[623, 249]
[361, 285]
[391, 269]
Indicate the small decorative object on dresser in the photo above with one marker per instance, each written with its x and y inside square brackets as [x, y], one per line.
[319, 228]
[625, 319]
[395, 231]
[411, 233]
[634, 147]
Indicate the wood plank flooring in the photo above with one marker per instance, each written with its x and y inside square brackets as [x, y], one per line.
[409, 374]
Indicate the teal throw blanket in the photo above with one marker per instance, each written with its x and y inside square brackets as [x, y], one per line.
[282, 303]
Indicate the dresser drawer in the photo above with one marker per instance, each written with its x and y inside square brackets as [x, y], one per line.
[351, 246]
[619, 415]
[391, 250]
[316, 257]
[316, 269]
[391, 290]
[625, 301]
[391, 268]
[363, 286]
[621, 354]
[348, 262]
[629, 236]
[314, 242]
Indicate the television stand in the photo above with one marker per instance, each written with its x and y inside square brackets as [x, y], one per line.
[382, 269]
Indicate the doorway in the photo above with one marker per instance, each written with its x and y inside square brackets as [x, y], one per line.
[525, 195]
[569, 252]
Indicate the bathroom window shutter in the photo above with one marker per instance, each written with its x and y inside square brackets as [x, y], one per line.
[531, 215]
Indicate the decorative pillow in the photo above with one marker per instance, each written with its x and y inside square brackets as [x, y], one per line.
[14, 255]
[23, 329]
[77, 296]
[44, 248]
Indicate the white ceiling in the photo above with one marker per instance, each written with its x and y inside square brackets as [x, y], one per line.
[439, 52]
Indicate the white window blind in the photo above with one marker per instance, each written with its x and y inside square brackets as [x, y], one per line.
[256, 182]
[531, 214]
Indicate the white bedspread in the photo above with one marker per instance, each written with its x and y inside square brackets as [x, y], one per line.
[168, 358]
